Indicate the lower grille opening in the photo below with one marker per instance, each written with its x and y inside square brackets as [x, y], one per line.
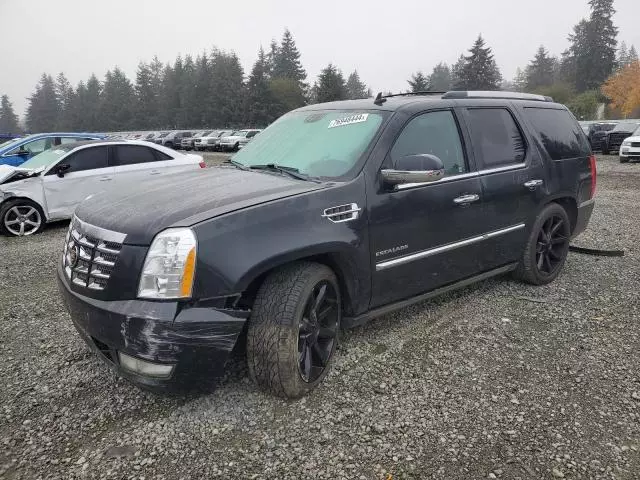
[104, 349]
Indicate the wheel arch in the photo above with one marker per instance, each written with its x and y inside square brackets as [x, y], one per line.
[10, 197]
[569, 204]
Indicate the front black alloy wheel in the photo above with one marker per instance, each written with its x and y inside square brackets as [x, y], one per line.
[293, 330]
[547, 246]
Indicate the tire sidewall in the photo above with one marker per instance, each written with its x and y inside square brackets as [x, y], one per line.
[9, 204]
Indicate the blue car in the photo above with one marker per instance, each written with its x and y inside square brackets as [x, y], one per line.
[18, 151]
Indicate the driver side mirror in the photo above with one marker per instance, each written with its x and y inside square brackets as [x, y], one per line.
[61, 169]
[415, 169]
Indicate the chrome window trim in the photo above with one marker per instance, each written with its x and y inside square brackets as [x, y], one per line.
[506, 168]
[462, 176]
[99, 232]
[445, 248]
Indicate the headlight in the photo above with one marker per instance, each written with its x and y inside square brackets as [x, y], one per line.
[626, 143]
[170, 265]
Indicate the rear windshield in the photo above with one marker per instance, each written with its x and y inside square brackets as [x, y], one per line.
[317, 143]
[561, 135]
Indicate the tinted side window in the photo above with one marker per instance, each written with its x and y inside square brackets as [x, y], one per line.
[561, 136]
[132, 154]
[435, 133]
[87, 159]
[34, 147]
[161, 155]
[496, 137]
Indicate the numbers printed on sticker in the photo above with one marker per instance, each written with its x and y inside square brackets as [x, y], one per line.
[358, 118]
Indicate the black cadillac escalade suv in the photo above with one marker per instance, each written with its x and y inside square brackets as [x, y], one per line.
[335, 214]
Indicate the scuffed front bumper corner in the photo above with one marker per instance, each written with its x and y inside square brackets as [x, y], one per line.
[585, 210]
[196, 340]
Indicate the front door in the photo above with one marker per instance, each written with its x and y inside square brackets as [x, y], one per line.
[426, 235]
[88, 173]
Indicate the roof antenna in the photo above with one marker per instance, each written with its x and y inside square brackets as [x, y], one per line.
[379, 99]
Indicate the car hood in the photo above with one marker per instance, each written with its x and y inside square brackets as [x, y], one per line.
[142, 210]
[7, 172]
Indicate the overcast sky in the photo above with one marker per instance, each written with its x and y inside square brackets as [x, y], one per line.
[384, 40]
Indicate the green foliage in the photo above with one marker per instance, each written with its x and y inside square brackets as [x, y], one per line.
[418, 82]
[330, 85]
[561, 92]
[66, 98]
[356, 88]
[146, 95]
[440, 79]
[8, 118]
[541, 71]
[585, 105]
[479, 70]
[43, 110]
[260, 101]
[117, 101]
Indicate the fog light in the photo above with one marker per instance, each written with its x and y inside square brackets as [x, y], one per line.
[142, 367]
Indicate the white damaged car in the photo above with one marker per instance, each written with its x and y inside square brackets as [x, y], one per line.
[50, 185]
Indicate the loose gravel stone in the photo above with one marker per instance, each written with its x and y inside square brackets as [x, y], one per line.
[425, 392]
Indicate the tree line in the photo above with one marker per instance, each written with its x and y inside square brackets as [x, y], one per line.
[579, 78]
[212, 90]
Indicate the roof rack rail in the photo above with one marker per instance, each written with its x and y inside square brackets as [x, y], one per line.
[380, 98]
[454, 94]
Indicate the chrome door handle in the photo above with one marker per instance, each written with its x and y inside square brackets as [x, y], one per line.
[466, 199]
[105, 179]
[533, 184]
[155, 172]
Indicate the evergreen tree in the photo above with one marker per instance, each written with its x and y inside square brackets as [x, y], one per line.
[8, 118]
[456, 71]
[227, 90]
[621, 60]
[331, 85]
[170, 95]
[259, 98]
[201, 90]
[541, 70]
[287, 66]
[632, 56]
[520, 80]
[272, 56]
[43, 110]
[440, 78]
[188, 115]
[418, 82]
[65, 94]
[480, 71]
[355, 87]
[117, 102]
[146, 110]
[91, 105]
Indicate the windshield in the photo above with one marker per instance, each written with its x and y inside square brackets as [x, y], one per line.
[316, 143]
[625, 127]
[12, 143]
[636, 133]
[44, 159]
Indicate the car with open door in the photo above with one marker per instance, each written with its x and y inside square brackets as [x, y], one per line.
[333, 215]
[20, 150]
[49, 186]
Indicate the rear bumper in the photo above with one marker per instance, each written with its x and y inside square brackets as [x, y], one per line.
[197, 341]
[584, 215]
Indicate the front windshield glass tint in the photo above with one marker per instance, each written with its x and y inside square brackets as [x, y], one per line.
[317, 143]
[44, 159]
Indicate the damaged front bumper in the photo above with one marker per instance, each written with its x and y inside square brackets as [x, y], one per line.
[195, 340]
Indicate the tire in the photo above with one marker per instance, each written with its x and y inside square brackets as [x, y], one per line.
[289, 348]
[236, 147]
[547, 247]
[605, 149]
[21, 217]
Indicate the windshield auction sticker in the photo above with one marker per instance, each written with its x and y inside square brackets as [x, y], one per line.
[340, 122]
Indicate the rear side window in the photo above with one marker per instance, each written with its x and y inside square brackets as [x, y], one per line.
[496, 137]
[87, 159]
[133, 154]
[561, 135]
[434, 133]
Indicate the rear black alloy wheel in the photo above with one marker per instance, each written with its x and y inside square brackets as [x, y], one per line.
[553, 240]
[547, 246]
[317, 331]
[293, 330]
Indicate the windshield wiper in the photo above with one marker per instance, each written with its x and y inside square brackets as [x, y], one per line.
[291, 171]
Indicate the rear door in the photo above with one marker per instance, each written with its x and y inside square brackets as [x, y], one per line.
[512, 178]
[88, 173]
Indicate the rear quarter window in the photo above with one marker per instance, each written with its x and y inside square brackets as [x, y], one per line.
[560, 134]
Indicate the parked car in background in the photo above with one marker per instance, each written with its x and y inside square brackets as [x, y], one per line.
[334, 215]
[174, 139]
[22, 149]
[237, 139]
[613, 139]
[630, 148]
[158, 138]
[188, 143]
[596, 133]
[50, 185]
[200, 143]
[213, 140]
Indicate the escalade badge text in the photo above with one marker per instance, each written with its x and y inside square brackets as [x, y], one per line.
[392, 250]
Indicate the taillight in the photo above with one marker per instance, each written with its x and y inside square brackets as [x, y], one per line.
[594, 174]
[202, 165]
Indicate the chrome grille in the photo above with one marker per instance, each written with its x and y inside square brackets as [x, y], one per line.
[90, 254]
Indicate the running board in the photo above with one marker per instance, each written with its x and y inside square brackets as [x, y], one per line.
[351, 322]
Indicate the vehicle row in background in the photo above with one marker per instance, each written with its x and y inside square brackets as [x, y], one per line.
[207, 139]
[50, 185]
[607, 136]
[630, 147]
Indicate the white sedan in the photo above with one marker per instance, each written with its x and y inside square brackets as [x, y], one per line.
[50, 185]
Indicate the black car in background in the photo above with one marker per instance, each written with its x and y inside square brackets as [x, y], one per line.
[596, 133]
[335, 214]
[614, 138]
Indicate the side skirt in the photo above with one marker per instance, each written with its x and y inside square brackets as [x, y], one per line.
[351, 322]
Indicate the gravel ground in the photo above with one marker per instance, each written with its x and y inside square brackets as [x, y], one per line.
[500, 380]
